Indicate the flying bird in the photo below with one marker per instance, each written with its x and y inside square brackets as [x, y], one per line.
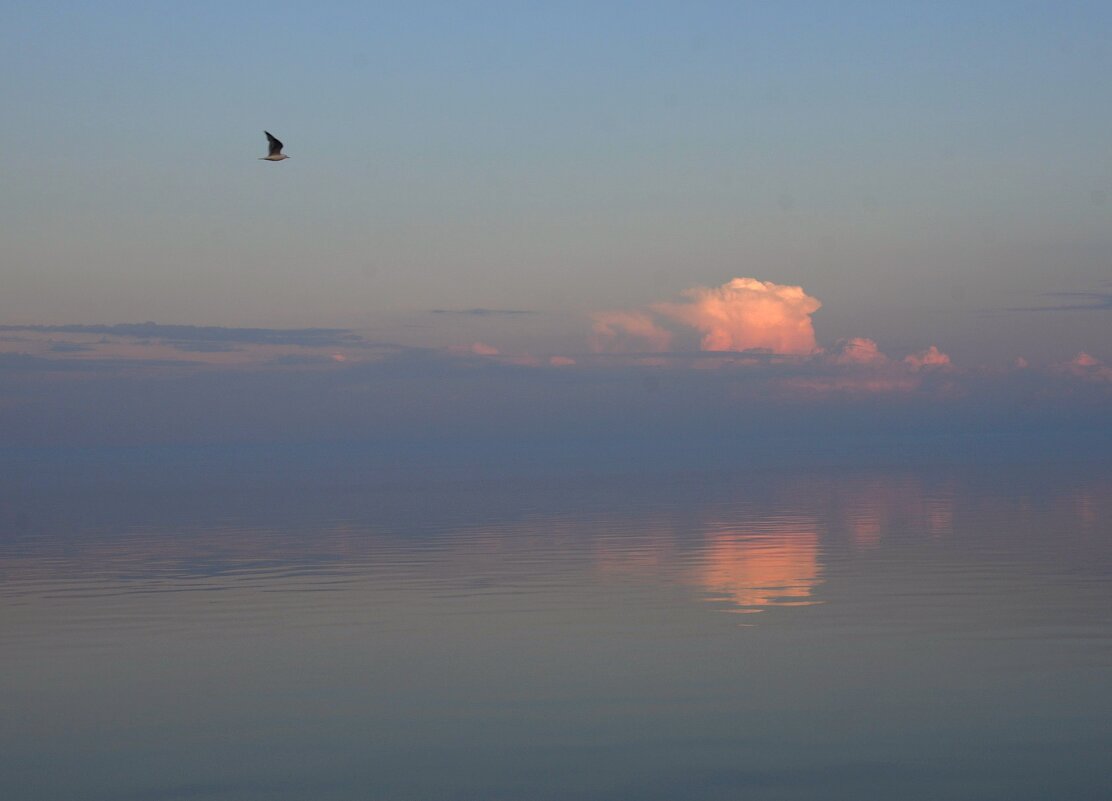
[275, 153]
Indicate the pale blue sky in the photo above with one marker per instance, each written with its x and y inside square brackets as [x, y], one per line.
[910, 165]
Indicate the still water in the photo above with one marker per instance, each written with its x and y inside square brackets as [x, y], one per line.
[822, 633]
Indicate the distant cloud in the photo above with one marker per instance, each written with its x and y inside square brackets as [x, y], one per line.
[1096, 301]
[740, 356]
[309, 337]
[1088, 368]
[205, 346]
[742, 314]
[855, 350]
[747, 314]
[294, 360]
[481, 312]
[931, 357]
[32, 364]
[628, 331]
[439, 394]
[184, 345]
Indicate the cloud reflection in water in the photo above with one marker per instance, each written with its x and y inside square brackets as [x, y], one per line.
[763, 564]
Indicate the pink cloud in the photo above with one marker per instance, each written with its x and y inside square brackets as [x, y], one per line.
[1088, 368]
[932, 357]
[745, 314]
[561, 361]
[856, 350]
[742, 314]
[628, 331]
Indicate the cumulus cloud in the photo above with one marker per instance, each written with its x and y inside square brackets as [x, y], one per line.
[628, 331]
[932, 357]
[742, 314]
[1088, 368]
[747, 314]
[855, 350]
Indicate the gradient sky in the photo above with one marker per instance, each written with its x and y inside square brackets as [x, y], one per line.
[932, 173]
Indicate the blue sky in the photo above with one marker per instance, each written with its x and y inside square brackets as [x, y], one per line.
[932, 173]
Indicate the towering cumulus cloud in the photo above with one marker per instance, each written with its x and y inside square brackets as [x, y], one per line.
[742, 314]
[745, 313]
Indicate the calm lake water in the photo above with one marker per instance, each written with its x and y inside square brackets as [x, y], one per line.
[788, 633]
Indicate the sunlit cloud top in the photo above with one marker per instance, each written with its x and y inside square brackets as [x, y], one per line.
[747, 314]
[742, 314]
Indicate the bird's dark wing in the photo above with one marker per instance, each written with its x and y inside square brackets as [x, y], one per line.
[275, 145]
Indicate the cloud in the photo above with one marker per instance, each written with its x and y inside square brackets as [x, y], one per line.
[296, 360]
[764, 330]
[69, 347]
[747, 314]
[848, 385]
[855, 351]
[193, 335]
[659, 371]
[481, 312]
[1087, 368]
[744, 314]
[628, 331]
[151, 343]
[439, 396]
[482, 349]
[1097, 301]
[205, 346]
[932, 357]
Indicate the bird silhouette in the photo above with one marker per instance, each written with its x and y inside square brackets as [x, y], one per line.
[275, 153]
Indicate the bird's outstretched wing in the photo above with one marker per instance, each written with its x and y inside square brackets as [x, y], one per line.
[275, 145]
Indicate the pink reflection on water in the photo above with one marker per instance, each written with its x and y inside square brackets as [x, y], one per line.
[773, 563]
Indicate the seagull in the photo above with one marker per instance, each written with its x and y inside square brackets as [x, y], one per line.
[275, 153]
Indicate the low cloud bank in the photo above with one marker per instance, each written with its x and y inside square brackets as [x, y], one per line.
[753, 323]
[733, 361]
[438, 396]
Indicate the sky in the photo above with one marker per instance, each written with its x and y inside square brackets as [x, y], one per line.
[856, 200]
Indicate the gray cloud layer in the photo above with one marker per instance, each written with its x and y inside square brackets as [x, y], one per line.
[196, 335]
[1096, 301]
[433, 397]
[481, 312]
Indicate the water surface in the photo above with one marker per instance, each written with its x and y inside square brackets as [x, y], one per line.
[788, 633]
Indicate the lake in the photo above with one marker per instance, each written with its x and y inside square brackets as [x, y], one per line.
[226, 627]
